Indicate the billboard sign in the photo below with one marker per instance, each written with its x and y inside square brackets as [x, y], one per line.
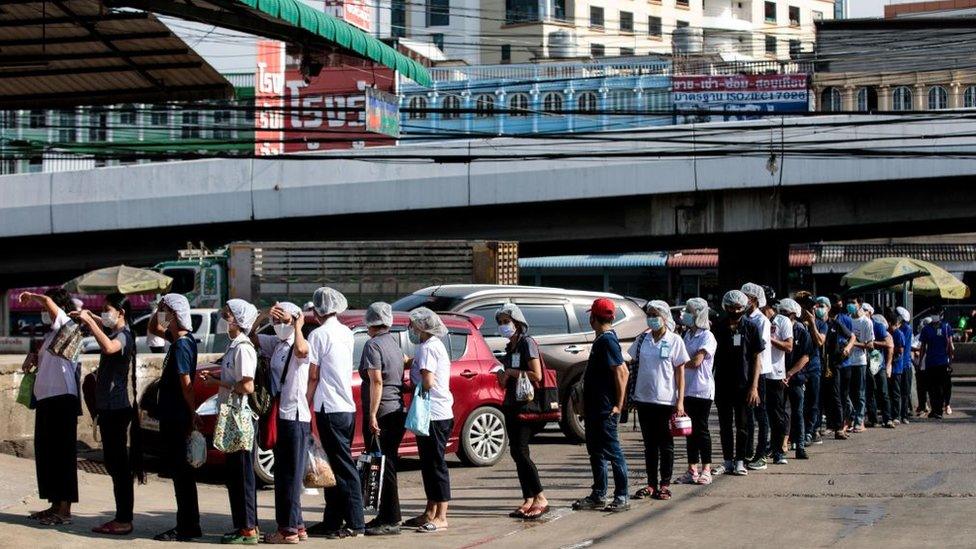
[354, 12]
[269, 89]
[382, 112]
[738, 96]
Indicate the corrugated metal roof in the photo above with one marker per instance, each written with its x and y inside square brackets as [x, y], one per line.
[616, 261]
[707, 258]
[860, 253]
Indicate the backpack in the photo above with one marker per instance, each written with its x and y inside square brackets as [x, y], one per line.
[260, 400]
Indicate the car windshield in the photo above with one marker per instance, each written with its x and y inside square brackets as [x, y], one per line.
[432, 302]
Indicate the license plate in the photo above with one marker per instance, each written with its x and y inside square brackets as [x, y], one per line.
[147, 422]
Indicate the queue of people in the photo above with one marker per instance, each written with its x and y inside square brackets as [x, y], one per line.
[780, 373]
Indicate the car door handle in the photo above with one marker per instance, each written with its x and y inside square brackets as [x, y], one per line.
[499, 353]
[468, 374]
[575, 349]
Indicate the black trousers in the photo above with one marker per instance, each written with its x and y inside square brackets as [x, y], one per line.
[241, 489]
[391, 435]
[732, 414]
[56, 448]
[114, 428]
[433, 462]
[760, 418]
[519, 435]
[173, 435]
[655, 424]
[900, 398]
[922, 388]
[831, 398]
[344, 501]
[700, 441]
[847, 407]
[291, 455]
[937, 379]
[776, 410]
[876, 392]
[796, 393]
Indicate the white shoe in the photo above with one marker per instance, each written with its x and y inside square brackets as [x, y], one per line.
[740, 469]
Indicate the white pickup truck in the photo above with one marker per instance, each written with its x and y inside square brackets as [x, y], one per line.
[204, 332]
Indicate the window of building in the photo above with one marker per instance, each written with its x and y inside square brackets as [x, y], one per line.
[938, 98]
[795, 48]
[622, 100]
[98, 124]
[867, 99]
[484, 105]
[223, 126]
[67, 128]
[418, 106]
[681, 3]
[586, 103]
[552, 102]
[438, 13]
[596, 17]
[654, 27]
[770, 44]
[437, 39]
[626, 21]
[597, 50]
[626, 52]
[679, 24]
[518, 104]
[830, 100]
[38, 118]
[901, 99]
[559, 10]
[520, 11]
[770, 11]
[794, 12]
[127, 116]
[506, 53]
[398, 18]
[452, 107]
[159, 117]
[969, 97]
[190, 125]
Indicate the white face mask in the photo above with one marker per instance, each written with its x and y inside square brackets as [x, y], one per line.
[45, 318]
[110, 319]
[162, 319]
[284, 331]
[506, 330]
[223, 327]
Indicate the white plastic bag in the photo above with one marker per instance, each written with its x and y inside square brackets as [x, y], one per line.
[524, 392]
[196, 450]
[318, 472]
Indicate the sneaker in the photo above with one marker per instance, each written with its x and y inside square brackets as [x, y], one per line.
[758, 464]
[933, 415]
[780, 460]
[705, 478]
[618, 505]
[858, 428]
[241, 537]
[383, 530]
[817, 439]
[870, 424]
[840, 435]
[740, 469]
[904, 421]
[791, 447]
[807, 439]
[343, 533]
[801, 454]
[690, 477]
[889, 424]
[723, 468]
[948, 410]
[589, 503]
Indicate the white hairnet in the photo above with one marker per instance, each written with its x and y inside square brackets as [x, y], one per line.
[755, 291]
[735, 298]
[880, 319]
[77, 304]
[663, 310]
[868, 308]
[904, 314]
[244, 314]
[789, 306]
[379, 314]
[698, 307]
[181, 309]
[425, 320]
[328, 301]
[513, 311]
[293, 310]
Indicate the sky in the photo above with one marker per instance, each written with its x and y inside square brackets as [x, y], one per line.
[866, 8]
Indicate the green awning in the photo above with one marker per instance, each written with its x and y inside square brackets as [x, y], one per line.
[342, 33]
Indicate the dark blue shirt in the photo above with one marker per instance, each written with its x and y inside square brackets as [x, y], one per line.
[815, 366]
[846, 321]
[908, 334]
[802, 346]
[898, 362]
[936, 338]
[735, 355]
[880, 334]
[599, 380]
[181, 359]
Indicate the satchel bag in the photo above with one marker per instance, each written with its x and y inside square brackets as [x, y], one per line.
[235, 426]
[67, 342]
[544, 406]
[268, 423]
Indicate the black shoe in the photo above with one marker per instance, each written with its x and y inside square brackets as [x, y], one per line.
[589, 503]
[321, 529]
[801, 454]
[618, 505]
[935, 416]
[383, 530]
[343, 533]
[176, 535]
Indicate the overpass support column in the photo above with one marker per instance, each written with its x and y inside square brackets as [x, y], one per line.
[756, 259]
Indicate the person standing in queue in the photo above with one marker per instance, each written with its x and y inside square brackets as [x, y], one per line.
[330, 354]
[797, 363]
[176, 411]
[521, 358]
[431, 370]
[236, 381]
[907, 368]
[287, 353]
[381, 372]
[604, 392]
[897, 374]
[781, 338]
[758, 421]
[738, 371]
[814, 318]
[701, 346]
[937, 352]
[56, 393]
[116, 366]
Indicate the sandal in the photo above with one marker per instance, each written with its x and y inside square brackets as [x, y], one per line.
[535, 512]
[705, 478]
[430, 528]
[55, 519]
[38, 515]
[519, 513]
[690, 477]
[112, 528]
[663, 493]
[645, 492]
[279, 538]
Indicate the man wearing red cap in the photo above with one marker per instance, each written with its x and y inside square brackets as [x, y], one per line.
[604, 388]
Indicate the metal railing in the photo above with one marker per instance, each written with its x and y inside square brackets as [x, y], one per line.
[551, 71]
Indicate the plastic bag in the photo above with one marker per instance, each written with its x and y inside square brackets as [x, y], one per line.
[524, 391]
[418, 417]
[371, 467]
[318, 472]
[25, 393]
[196, 450]
[874, 362]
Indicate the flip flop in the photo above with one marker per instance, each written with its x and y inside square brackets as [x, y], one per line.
[38, 515]
[518, 513]
[430, 528]
[535, 513]
[112, 530]
[55, 519]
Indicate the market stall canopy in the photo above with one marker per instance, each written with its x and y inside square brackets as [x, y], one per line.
[889, 272]
[79, 52]
[289, 21]
[120, 279]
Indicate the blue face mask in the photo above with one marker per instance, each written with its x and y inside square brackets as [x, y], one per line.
[414, 337]
[506, 330]
[655, 322]
[851, 309]
[687, 319]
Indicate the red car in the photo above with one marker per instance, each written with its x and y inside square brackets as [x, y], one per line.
[478, 438]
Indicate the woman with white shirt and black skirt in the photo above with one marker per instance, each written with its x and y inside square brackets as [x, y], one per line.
[431, 370]
[236, 381]
[56, 414]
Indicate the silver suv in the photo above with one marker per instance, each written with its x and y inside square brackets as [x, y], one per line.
[558, 321]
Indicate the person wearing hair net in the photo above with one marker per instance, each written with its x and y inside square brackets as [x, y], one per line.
[908, 396]
[521, 358]
[430, 370]
[330, 355]
[738, 371]
[937, 353]
[699, 388]
[797, 363]
[815, 320]
[236, 381]
[855, 375]
[381, 372]
[781, 338]
[659, 393]
[759, 419]
[899, 400]
[176, 411]
[876, 386]
[286, 352]
[921, 380]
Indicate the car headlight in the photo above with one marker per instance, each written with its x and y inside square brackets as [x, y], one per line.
[208, 408]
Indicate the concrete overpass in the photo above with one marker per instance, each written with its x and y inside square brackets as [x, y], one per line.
[748, 188]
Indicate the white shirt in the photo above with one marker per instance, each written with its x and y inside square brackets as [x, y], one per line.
[291, 399]
[783, 328]
[766, 357]
[864, 332]
[240, 361]
[330, 348]
[655, 375]
[432, 357]
[700, 382]
[55, 375]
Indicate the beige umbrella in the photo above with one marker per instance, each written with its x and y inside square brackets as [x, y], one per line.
[926, 278]
[120, 279]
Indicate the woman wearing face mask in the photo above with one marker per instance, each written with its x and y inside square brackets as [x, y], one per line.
[659, 393]
[56, 414]
[287, 353]
[236, 381]
[521, 358]
[699, 389]
[116, 367]
[431, 370]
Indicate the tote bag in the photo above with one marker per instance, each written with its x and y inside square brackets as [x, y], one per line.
[235, 426]
[418, 417]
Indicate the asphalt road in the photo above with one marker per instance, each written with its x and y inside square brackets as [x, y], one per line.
[914, 486]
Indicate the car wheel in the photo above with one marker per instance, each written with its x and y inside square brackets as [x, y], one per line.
[483, 437]
[571, 423]
[264, 461]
